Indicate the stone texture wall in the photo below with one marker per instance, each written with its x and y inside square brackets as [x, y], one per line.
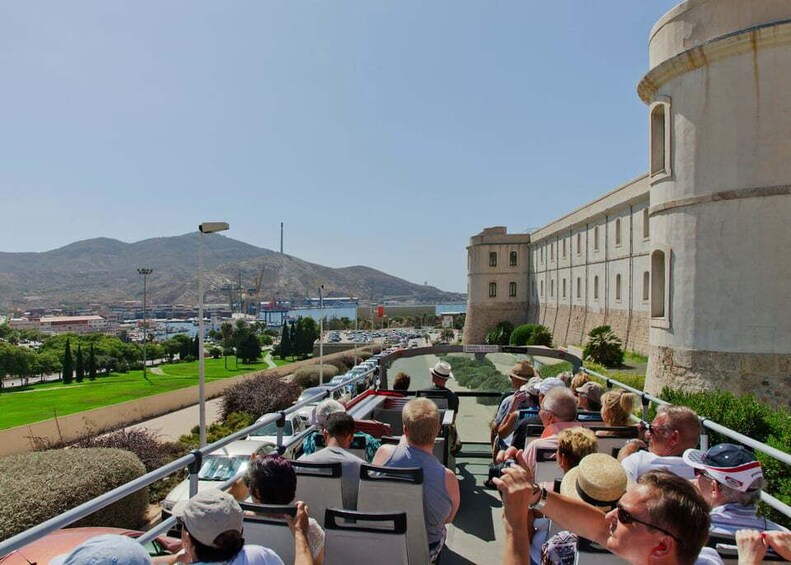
[766, 375]
[482, 318]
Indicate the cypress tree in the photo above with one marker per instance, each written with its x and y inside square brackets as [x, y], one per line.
[79, 368]
[298, 339]
[285, 341]
[68, 364]
[92, 364]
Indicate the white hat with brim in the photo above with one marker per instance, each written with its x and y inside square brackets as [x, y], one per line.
[729, 464]
[599, 480]
[107, 549]
[441, 370]
[532, 386]
[548, 384]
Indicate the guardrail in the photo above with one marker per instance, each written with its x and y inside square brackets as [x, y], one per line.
[192, 461]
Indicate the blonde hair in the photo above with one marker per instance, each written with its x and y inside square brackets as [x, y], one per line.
[617, 406]
[576, 443]
[421, 421]
[578, 380]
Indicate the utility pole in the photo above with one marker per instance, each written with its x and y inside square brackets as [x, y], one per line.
[145, 272]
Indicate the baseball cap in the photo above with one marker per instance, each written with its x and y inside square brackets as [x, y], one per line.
[107, 549]
[592, 391]
[731, 465]
[548, 384]
[208, 514]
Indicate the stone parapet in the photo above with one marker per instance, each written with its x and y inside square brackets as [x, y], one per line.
[765, 375]
[481, 319]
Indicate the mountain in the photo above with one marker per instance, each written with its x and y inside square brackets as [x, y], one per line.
[104, 271]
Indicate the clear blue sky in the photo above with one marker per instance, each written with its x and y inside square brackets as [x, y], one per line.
[382, 133]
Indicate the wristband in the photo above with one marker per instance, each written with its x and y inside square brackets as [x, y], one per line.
[542, 500]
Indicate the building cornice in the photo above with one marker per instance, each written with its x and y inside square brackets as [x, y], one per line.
[762, 36]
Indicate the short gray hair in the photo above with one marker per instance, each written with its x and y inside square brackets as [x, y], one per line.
[325, 408]
[561, 402]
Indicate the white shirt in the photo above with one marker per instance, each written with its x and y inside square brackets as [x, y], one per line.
[639, 463]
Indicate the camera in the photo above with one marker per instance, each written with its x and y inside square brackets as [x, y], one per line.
[496, 470]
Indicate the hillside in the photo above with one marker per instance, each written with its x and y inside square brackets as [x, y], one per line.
[104, 271]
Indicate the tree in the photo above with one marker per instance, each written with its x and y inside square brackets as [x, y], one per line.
[79, 368]
[500, 334]
[248, 347]
[92, 363]
[285, 349]
[307, 333]
[68, 364]
[604, 347]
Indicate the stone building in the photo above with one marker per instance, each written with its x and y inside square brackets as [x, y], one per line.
[691, 262]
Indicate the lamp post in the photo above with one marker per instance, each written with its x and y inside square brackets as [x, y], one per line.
[145, 272]
[204, 228]
[321, 334]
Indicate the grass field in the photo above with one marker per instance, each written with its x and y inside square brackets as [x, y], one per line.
[44, 401]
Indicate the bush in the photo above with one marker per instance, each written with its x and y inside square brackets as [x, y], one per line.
[215, 352]
[233, 423]
[35, 487]
[554, 370]
[307, 377]
[259, 395]
[604, 347]
[481, 375]
[531, 334]
[500, 334]
[340, 364]
[541, 336]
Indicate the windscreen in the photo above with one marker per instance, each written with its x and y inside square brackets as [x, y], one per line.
[222, 467]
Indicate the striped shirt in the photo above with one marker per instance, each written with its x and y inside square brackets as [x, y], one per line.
[728, 518]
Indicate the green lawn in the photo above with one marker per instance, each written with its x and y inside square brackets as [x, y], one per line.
[44, 401]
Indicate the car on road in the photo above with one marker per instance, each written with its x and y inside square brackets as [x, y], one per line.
[293, 425]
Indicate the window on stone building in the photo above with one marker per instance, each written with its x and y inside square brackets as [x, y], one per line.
[542, 253]
[658, 285]
[533, 288]
[646, 224]
[618, 231]
[646, 286]
[660, 139]
[618, 288]
[551, 251]
[596, 287]
[596, 238]
[564, 288]
[493, 259]
[512, 259]
[579, 288]
[564, 247]
[542, 288]
[552, 288]
[579, 243]
[512, 289]
[492, 289]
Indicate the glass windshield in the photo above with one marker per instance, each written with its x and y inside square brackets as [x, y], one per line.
[271, 429]
[222, 467]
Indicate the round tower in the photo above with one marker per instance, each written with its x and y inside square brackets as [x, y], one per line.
[497, 278]
[720, 192]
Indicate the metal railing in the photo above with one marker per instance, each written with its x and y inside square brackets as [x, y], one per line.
[192, 461]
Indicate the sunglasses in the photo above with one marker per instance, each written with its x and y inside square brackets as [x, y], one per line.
[626, 518]
[656, 430]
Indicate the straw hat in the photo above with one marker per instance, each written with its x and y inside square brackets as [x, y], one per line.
[441, 370]
[598, 480]
[522, 371]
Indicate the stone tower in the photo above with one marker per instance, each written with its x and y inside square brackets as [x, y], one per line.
[719, 97]
[497, 279]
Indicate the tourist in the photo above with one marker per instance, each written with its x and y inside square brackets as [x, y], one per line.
[320, 412]
[573, 445]
[661, 519]
[589, 396]
[540, 390]
[211, 532]
[730, 479]
[578, 380]
[107, 549]
[617, 410]
[338, 433]
[401, 382]
[508, 411]
[440, 374]
[753, 545]
[271, 479]
[441, 496]
[674, 430]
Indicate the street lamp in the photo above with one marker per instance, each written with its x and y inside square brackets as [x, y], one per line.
[145, 272]
[321, 334]
[204, 228]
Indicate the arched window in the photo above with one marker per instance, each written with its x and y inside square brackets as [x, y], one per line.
[551, 251]
[618, 287]
[579, 288]
[512, 259]
[658, 284]
[492, 289]
[493, 259]
[646, 224]
[564, 288]
[512, 289]
[596, 238]
[646, 287]
[596, 287]
[618, 231]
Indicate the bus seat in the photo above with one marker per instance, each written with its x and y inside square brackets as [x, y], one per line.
[388, 489]
[320, 486]
[547, 468]
[265, 529]
[360, 537]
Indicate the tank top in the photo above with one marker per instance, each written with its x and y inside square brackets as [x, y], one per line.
[436, 501]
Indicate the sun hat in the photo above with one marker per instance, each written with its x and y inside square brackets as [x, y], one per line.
[731, 465]
[548, 384]
[107, 549]
[208, 514]
[522, 371]
[592, 391]
[598, 480]
[532, 386]
[441, 370]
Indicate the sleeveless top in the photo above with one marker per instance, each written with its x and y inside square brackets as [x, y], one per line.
[436, 501]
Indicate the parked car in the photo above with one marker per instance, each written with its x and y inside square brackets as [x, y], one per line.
[217, 467]
[293, 425]
[65, 540]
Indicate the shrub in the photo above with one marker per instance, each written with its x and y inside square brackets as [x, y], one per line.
[259, 395]
[307, 377]
[481, 375]
[35, 487]
[500, 334]
[340, 364]
[215, 352]
[604, 347]
[233, 423]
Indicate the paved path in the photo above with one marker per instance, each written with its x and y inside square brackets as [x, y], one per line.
[171, 427]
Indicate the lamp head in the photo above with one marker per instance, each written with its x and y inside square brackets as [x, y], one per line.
[212, 227]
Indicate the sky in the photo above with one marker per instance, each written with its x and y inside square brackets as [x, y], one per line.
[381, 133]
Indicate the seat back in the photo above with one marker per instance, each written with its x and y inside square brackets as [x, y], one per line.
[319, 485]
[589, 553]
[440, 450]
[440, 397]
[547, 468]
[365, 537]
[267, 529]
[392, 490]
[390, 416]
[612, 438]
[373, 428]
[589, 415]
